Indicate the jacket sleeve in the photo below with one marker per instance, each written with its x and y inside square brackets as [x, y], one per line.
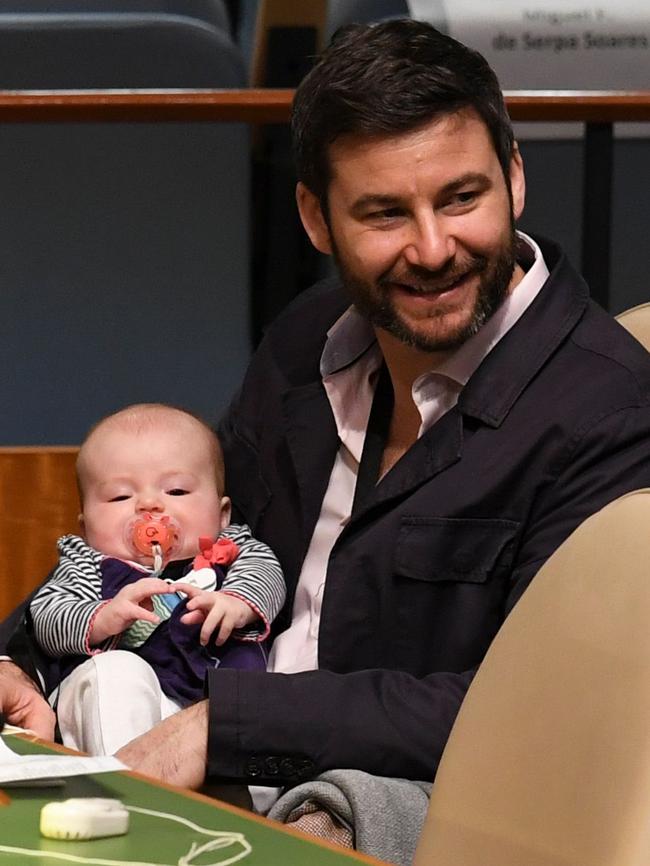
[17, 641]
[9, 626]
[285, 728]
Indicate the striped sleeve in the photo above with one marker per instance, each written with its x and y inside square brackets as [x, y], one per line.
[257, 578]
[63, 609]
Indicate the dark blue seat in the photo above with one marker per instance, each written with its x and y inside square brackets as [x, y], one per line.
[136, 45]
[124, 250]
[341, 12]
[210, 11]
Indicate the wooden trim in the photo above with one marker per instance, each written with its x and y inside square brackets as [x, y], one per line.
[149, 106]
[38, 449]
[273, 106]
[579, 105]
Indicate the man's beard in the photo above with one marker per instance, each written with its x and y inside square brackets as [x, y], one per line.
[374, 302]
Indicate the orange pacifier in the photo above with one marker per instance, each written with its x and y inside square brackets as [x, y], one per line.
[157, 537]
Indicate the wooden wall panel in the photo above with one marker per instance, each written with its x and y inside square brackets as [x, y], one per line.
[38, 503]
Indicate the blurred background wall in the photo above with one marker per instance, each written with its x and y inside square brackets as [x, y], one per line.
[142, 261]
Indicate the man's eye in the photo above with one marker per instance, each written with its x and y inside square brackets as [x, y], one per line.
[121, 498]
[387, 214]
[462, 198]
[177, 491]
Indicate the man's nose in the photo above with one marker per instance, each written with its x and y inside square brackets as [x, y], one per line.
[431, 245]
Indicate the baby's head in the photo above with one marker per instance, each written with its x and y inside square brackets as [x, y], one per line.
[150, 458]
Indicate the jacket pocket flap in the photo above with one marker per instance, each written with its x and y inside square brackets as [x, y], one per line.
[453, 549]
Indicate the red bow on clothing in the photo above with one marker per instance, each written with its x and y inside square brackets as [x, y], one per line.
[223, 551]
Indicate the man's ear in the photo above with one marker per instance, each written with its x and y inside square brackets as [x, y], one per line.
[517, 182]
[313, 220]
[226, 511]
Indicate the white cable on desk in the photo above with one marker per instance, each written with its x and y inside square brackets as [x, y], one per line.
[221, 839]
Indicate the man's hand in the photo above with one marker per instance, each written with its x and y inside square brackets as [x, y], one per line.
[175, 751]
[22, 703]
[215, 610]
[132, 602]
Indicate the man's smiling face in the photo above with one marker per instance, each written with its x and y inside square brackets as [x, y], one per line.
[422, 228]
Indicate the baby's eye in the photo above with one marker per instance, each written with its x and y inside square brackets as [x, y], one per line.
[121, 498]
[177, 491]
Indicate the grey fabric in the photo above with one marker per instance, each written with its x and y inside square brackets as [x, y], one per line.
[385, 815]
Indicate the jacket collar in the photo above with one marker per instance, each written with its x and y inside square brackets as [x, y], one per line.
[312, 441]
[502, 376]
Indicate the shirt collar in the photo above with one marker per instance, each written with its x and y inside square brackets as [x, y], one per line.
[350, 337]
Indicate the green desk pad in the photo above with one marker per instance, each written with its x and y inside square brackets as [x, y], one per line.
[151, 840]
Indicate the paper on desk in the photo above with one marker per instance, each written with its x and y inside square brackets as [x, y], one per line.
[19, 768]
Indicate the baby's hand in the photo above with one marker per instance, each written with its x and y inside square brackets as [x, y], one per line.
[215, 609]
[132, 602]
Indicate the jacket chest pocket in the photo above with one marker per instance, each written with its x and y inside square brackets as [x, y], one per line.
[443, 549]
[450, 581]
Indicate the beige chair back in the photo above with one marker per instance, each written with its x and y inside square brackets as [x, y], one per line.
[637, 321]
[548, 763]
[38, 503]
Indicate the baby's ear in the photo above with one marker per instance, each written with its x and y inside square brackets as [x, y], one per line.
[82, 524]
[226, 510]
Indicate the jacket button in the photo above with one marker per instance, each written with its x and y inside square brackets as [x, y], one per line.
[305, 768]
[288, 767]
[253, 767]
[271, 766]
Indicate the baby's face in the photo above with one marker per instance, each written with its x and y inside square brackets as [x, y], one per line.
[167, 470]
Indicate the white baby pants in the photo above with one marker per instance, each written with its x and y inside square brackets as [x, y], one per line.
[108, 700]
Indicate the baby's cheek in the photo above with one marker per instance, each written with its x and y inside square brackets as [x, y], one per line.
[112, 544]
[94, 535]
[189, 546]
[105, 532]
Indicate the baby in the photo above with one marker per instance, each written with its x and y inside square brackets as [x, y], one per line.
[161, 586]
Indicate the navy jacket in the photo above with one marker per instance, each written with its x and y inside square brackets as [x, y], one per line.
[554, 424]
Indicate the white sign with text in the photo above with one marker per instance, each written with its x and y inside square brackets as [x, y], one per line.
[551, 44]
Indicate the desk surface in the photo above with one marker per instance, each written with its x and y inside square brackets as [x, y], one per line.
[153, 839]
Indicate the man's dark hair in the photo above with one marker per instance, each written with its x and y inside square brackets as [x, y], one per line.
[386, 79]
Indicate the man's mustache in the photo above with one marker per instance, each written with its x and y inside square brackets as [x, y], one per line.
[423, 280]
